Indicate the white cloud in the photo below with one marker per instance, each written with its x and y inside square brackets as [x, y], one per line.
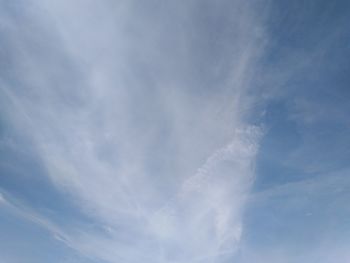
[131, 124]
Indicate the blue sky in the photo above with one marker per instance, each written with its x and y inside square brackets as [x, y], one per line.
[174, 131]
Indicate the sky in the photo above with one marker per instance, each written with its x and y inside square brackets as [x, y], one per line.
[174, 131]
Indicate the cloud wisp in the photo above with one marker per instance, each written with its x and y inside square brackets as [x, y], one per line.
[132, 123]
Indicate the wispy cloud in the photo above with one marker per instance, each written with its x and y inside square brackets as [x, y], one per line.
[25, 212]
[133, 123]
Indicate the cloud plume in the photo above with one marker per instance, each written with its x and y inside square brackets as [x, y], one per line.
[131, 121]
